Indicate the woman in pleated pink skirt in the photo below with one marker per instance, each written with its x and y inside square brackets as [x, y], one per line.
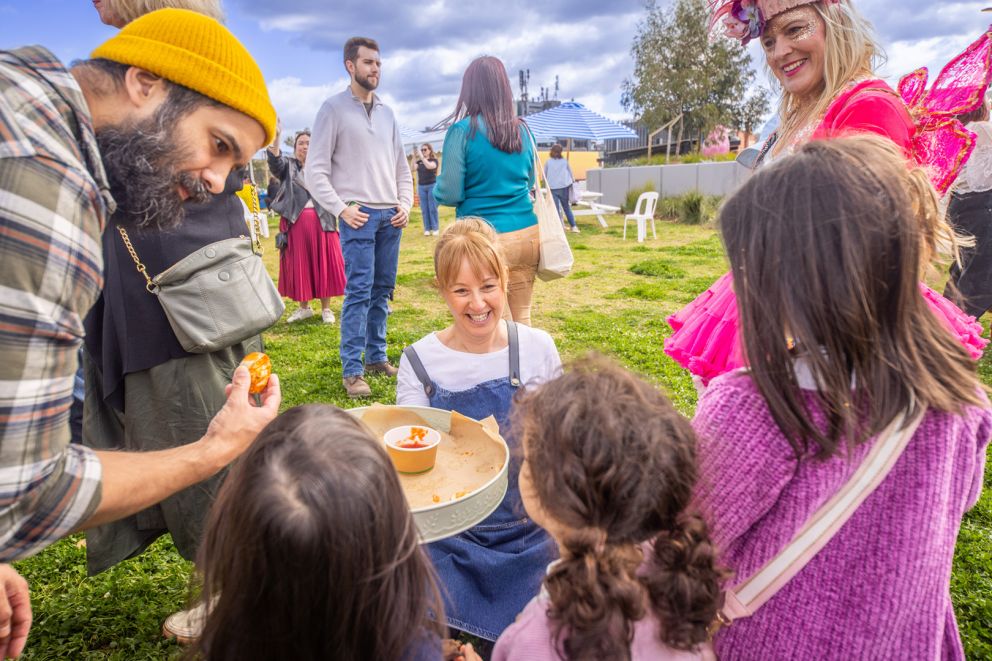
[310, 262]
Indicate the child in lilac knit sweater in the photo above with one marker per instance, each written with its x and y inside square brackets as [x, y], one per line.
[826, 248]
[605, 484]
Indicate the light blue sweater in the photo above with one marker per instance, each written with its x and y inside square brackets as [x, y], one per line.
[480, 180]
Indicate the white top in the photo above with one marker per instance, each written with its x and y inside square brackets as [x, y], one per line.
[357, 157]
[976, 175]
[458, 370]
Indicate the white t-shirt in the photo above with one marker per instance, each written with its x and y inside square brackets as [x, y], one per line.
[459, 370]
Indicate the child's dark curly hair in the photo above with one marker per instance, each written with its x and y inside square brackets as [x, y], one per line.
[612, 462]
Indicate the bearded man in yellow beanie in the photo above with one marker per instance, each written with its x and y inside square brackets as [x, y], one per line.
[162, 114]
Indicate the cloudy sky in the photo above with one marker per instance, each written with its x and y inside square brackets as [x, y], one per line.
[426, 45]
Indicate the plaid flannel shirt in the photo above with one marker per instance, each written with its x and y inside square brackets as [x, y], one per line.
[54, 202]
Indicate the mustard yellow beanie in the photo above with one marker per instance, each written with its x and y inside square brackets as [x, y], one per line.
[195, 51]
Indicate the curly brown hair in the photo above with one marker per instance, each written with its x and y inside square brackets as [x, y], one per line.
[616, 467]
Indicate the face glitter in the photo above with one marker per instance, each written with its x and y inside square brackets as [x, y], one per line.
[797, 25]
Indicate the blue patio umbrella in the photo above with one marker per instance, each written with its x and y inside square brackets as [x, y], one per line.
[574, 121]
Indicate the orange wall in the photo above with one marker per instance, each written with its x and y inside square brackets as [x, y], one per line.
[579, 160]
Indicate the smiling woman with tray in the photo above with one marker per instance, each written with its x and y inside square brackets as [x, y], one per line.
[474, 366]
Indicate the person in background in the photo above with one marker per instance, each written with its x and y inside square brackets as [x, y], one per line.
[488, 172]
[311, 265]
[558, 173]
[119, 13]
[847, 346]
[134, 138]
[970, 213]
[427, 162]
[357, 169]
[476, 366]
[314, 520]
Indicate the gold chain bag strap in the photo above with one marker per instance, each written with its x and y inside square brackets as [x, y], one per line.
[218, 296]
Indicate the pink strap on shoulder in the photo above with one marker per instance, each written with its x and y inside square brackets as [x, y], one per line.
[750, 595]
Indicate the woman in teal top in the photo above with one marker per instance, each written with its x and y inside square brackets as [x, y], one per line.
[488, 171]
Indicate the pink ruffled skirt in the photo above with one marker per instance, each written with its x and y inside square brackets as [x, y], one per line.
[706, 341]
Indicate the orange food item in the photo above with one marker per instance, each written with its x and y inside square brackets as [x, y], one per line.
[260, 367]
[415, 440]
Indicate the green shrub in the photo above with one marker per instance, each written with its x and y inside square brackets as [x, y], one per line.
[630, 202]
[691, 208]
[668, 207]
[658, 158]
[711, 207]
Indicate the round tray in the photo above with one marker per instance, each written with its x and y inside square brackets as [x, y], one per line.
[450, 518]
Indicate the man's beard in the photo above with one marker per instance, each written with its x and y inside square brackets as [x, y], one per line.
[141, 164]
[365, 82]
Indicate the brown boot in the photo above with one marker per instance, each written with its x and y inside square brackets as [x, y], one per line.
[356, 386]
[381, 368]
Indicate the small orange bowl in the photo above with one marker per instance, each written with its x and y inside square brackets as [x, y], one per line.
[413, 448]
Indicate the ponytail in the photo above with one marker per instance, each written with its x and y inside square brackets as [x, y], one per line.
[684, 583]
[595, 596]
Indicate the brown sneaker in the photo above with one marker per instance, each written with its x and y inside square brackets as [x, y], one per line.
[381, 368]
[356, 387]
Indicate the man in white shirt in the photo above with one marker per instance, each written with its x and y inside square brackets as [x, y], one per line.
[357, 170]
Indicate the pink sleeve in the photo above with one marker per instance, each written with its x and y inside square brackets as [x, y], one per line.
[743, 459]
[984, 433]
[872, 111]
[529, 637]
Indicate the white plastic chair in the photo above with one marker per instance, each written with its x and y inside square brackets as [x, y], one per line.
[643, 212]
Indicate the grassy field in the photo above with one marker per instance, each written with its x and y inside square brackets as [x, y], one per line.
[615, 302]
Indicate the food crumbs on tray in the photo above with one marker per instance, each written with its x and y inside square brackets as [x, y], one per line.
[459, 494]
[436, 498]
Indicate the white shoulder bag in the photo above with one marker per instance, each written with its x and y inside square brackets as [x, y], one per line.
[556, 255]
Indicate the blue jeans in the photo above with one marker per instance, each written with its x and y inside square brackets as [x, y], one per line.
[428, 207]
[371, 254]
[561, 197]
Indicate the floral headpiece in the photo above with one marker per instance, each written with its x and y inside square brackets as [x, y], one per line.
[746, 19]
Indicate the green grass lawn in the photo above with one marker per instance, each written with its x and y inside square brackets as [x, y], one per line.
[615, 302]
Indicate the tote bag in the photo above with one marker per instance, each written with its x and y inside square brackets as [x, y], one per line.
[556, 255]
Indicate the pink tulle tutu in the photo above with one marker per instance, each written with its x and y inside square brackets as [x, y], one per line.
[706, 341]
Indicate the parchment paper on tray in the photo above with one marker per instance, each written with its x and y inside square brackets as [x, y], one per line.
[470, 454]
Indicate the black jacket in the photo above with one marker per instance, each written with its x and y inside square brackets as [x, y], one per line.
[293, 194]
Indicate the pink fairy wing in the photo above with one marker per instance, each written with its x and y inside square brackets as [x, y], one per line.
[913, 86]
[962, 82]
[942, 147]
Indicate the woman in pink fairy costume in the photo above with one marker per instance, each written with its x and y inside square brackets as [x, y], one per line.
[823, 54]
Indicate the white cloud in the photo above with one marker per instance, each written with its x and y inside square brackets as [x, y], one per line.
[586, 43]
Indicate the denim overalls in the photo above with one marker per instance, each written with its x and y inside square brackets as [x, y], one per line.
[490, 572]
